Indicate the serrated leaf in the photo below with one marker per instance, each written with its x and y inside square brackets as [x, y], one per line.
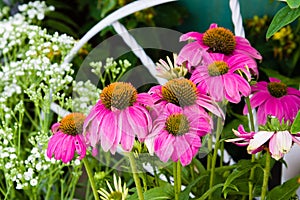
[296, 124]
[283, 17]
[284, 191]
[293, 3]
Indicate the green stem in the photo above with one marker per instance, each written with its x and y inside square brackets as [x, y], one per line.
[266, 176]
[252, 128]
[209, 144]
[136, 176]
[222, 154]
[175, 175]
[91, 177]
[178, 177]
[251, 177]
[215, 154]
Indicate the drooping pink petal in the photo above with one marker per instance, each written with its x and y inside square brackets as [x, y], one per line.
[127, 142]
[274, 148]
[243, 46]
[80, 146]
[192, 53]
[60, 151]
[284, 141]
[109, 131]
[216, 88]
[69, 150]
[54, 142]
[180, 147]
[163, 146]
[55, 127]
[96, 109]
[232, 92]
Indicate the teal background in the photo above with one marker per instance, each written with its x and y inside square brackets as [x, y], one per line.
[204, 12]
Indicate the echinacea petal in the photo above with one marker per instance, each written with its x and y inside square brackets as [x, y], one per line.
[192, 53]
[274, 148]
[109, 131]
[259, 139]
[231, 89]
[191, 35]
[80, 146]
[53, 143]
[55, 127]
[243, 46]
[69, 150]
[163, 146]
[284, 141]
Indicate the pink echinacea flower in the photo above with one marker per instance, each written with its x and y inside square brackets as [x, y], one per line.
[67, 138]
[215, 40]
[176, 134]
[220, 79]
[119, 116]
[274, 99]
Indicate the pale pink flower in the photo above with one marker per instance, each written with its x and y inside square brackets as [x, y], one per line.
[215, 40]
[274, 99]
[278, 142]
[177, 133]
[219, 77]
[67, 138]
[119, 116]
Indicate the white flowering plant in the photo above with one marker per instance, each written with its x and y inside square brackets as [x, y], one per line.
[65, 134]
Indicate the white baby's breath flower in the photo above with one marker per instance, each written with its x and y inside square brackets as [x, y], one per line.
[8, 165]
[19, 186]
[77, 162]
[33, 182]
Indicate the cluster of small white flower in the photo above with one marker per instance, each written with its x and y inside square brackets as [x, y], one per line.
[35, 9]
[85, 95]
[30, 70]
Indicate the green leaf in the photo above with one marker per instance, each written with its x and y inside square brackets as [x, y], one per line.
[242, 168]
[283, 17]
[59, 16]
[108, 5]
[184, 195]
[284, 79]
[158, 193]
[210, 191]
[293, 3]
[284, 191]
[232, 187]
[60, 27]
[296, 124]
[165, 192]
